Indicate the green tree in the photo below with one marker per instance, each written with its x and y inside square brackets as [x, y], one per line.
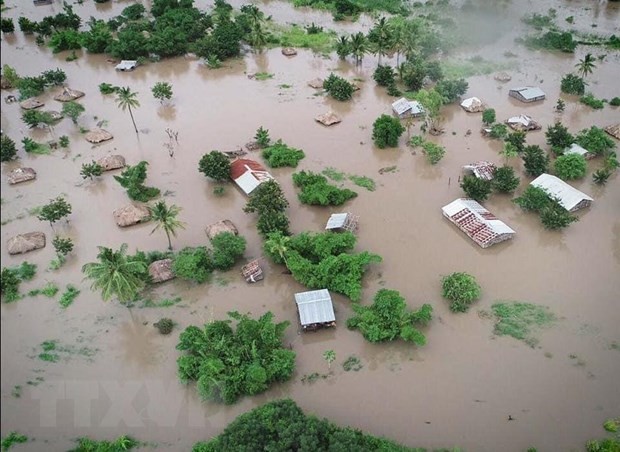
[7, 25]
[8, 151]
[165, 218]
[62, 246]
[227, 249]
[434, 153]
[504, 179]
[572, 84]
[432, 101]
[533, 199]
[338, 88]
[330, 357]
[279, 155]
[193, 264]
[516, 140]
[126, 100]
[26, 25]
[343, 47]
[315, 190]
[478, 189]
[262, 137]
[65, 40]
[595, 140]
[132, 178]
[215, 165]
[554, 216]
[162, 91]
[384, 75]
[386, 130]
[269, 202]
[488, 116]
[358, 47]
[499, 131]
[72, 110]
[451, 90]
[570, 166]
[586, 65]
[277, 244]
[116, 275]
[535, 160]
[559, 138]
[91, 170]
[55, 210]
[33, 118]
[461, 289]
[380, 37]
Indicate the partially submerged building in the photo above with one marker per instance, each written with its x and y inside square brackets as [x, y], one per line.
[404, 108]
[472, 105]
[252, 271]
[478, 223]
[315, 309]
[527, 93]
[126, 65]
[340, 222]
[522, 123]
[248, 174]
[569, 197]
[613, 130]
[576, 149]
[482, 169]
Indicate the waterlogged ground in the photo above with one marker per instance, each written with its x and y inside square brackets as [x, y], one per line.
[117, 375]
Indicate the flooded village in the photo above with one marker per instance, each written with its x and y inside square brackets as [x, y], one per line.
[432, 299]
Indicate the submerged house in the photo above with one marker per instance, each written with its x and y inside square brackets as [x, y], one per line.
[340, 222]
[248, 174]
[404, 108]
[482, 169]
[576, 149]
[315, 309]
[478, 223]
[569, 197]
[527, 93]
[472, 105]
[522, 123]
[126, 65]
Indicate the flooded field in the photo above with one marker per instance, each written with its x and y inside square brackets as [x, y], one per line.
[119, 375]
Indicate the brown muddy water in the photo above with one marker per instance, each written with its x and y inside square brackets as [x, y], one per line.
[458, 390]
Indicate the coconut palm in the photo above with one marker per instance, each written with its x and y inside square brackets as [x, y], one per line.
[586, 65]
[343, 47]
[278, 243]
[166, 218]
[381, 37]
[359, 47]
[126, 99]
[116, 275]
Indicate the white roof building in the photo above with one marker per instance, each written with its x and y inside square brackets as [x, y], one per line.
[569, 197]
[248, 174]
[472, 105]
[576, 149]
[404, 108]
[478, 223]
[126, 65]
[527, 93]
[315, 309]
[482, 169]
[522, 122]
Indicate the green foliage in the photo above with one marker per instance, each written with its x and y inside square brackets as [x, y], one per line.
[338, 88]
[262, 137]
[63, 141]
[521, 320]
[384, 75]
[279, 154]
[592, 101]
[363, 181]
[612, 425]
[451, 90]
[388, 319]
[223, 42]
[32, 147]
[55, 210]
[62, 246]
[72, 110]
[504, 179]
[8, 151]
[386, 131]
[229, 364]
[601, 176]
[269, 202]
[553, 40]
[26, 25]
[282, 426]
[533, 198]
[603, 445]
[132, 178]
[10, 76]
[193, 264]
[11, 277]
[434, 153]
[65, 40]
[165, 218]
[333, 174]
[35, 117]
[7, 25]
[461, 290]
[98, 37]
[554, 216]
[559, 138]
[91, 170]
[135, 11]
[499, 131]
[162, 90]
[215, 165]
[539, 21]
[474, 188]
[164, 326]
[352, 363]
[330, 357]
[120, 444]
[49, 290]
[615, 101]
[315, 190]
[13, 437]
[130, 44]
[572, 84]
[227, 249]
[488, 116]
[516, 141]
[595, 140]
[106, 88]
[570, 166]
[535, 160]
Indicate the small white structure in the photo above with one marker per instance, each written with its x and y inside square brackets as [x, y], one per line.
[126, 65]
[569, 197]
[576, 149]
[315, 309]
[472, 105]
[248, 174]
[404, 108]
[478, 223]
[339, 222]
[522, 123]
[527, 93]
[482, 169]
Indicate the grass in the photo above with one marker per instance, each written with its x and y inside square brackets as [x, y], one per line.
[263, 76]
[68, 296]
[363, 181]
[49, 290]
[165, 303]
[285, 86]
[48, 347]
[592, 101]
[334, 174]
[295, 36]
[352, 363]
[38, 148]
[473, 66]
[122, 443]
[11, 439]
[521, 320]
[612, 425]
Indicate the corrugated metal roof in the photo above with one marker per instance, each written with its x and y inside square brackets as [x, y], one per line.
[247, 182]
[126, 65]
[529, 92]
[315, 306]
[401, 106]
[240, 166]
[482, 169]
[575, 149]
[568, 196]
[336, 220]
[524, 120]
[416, 108]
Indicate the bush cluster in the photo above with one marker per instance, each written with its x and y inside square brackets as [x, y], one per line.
[316, 190]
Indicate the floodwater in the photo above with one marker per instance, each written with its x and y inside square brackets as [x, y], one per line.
[458, 390]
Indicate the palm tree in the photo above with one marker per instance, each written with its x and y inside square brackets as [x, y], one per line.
[343, 48]
[166, 218]
[115, 274]
[381, 37]
[278, 243]
[585, 65]
[359, 46]
[125, 98]
[398, 42]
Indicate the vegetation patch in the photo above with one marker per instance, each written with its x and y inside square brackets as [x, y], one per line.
[122, 443]
[352, 363]
[296, 36]
[477, 65]
[262, 76]
[461, 290]
[521, 320]
[592, 101]
[279, 155]
[52, 351]
[49, 290]
[11, 439]
[334, 174]
[11, 277]
[68, 296]
[363, 181]
[315, 190]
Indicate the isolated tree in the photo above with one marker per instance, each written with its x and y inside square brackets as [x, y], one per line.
[7, 25]
[72, 110]
[338, 88]
[116, 275]
[386, 130]
[432, 101]
[451, 90]
[586, 65]
[126, 100]
[535, 160]
[330, 357]
[215, 165]
[461, 290]
[554, 216]
[516, 141]
[91, 170]
[570, 166]
[488, 116]
[262, 137]
[572, 84]
[165, 218]
[478, 189]
[62, 246]
[8, 151]
[34, 118]
[55, 210]
[162, 91]
[504, 179]
[343, 47]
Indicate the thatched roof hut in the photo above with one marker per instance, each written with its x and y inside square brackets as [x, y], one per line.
[289, 51]
[131, 214]
[31, 104]
[161, 271]
[98, 135]
[112, 162]
[221, 226]
[328, 118]
[23, 243]
[20, 175]
[68, 95]
[502, 77]
[316, 83]
[614, 130]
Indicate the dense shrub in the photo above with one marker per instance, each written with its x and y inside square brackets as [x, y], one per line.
[8, 151]
[338, 88]
[554, 216]
[269, 202]
[504, 179]
[434, 153]
[65, 40]
[193, 264]
[316, 190]
[488, 116]
[386, 130]
[474, 188]
[461, 290]
[559, 138]
[279, 154]
[595, 140]
[227, 248]
[215, 165]
[533, 198]
[384, 75]
[554, 40]
[592, 101]
[570, 166]
[132, 178]
[572, 84]
[498, 131]
[451, 90]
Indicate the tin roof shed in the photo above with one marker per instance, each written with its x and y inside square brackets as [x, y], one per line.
[248, 174]
[126, 65]
[576, 149]
[482, 169]
[403, 108]
[315, 307]
[527, 93]
[569, 197]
